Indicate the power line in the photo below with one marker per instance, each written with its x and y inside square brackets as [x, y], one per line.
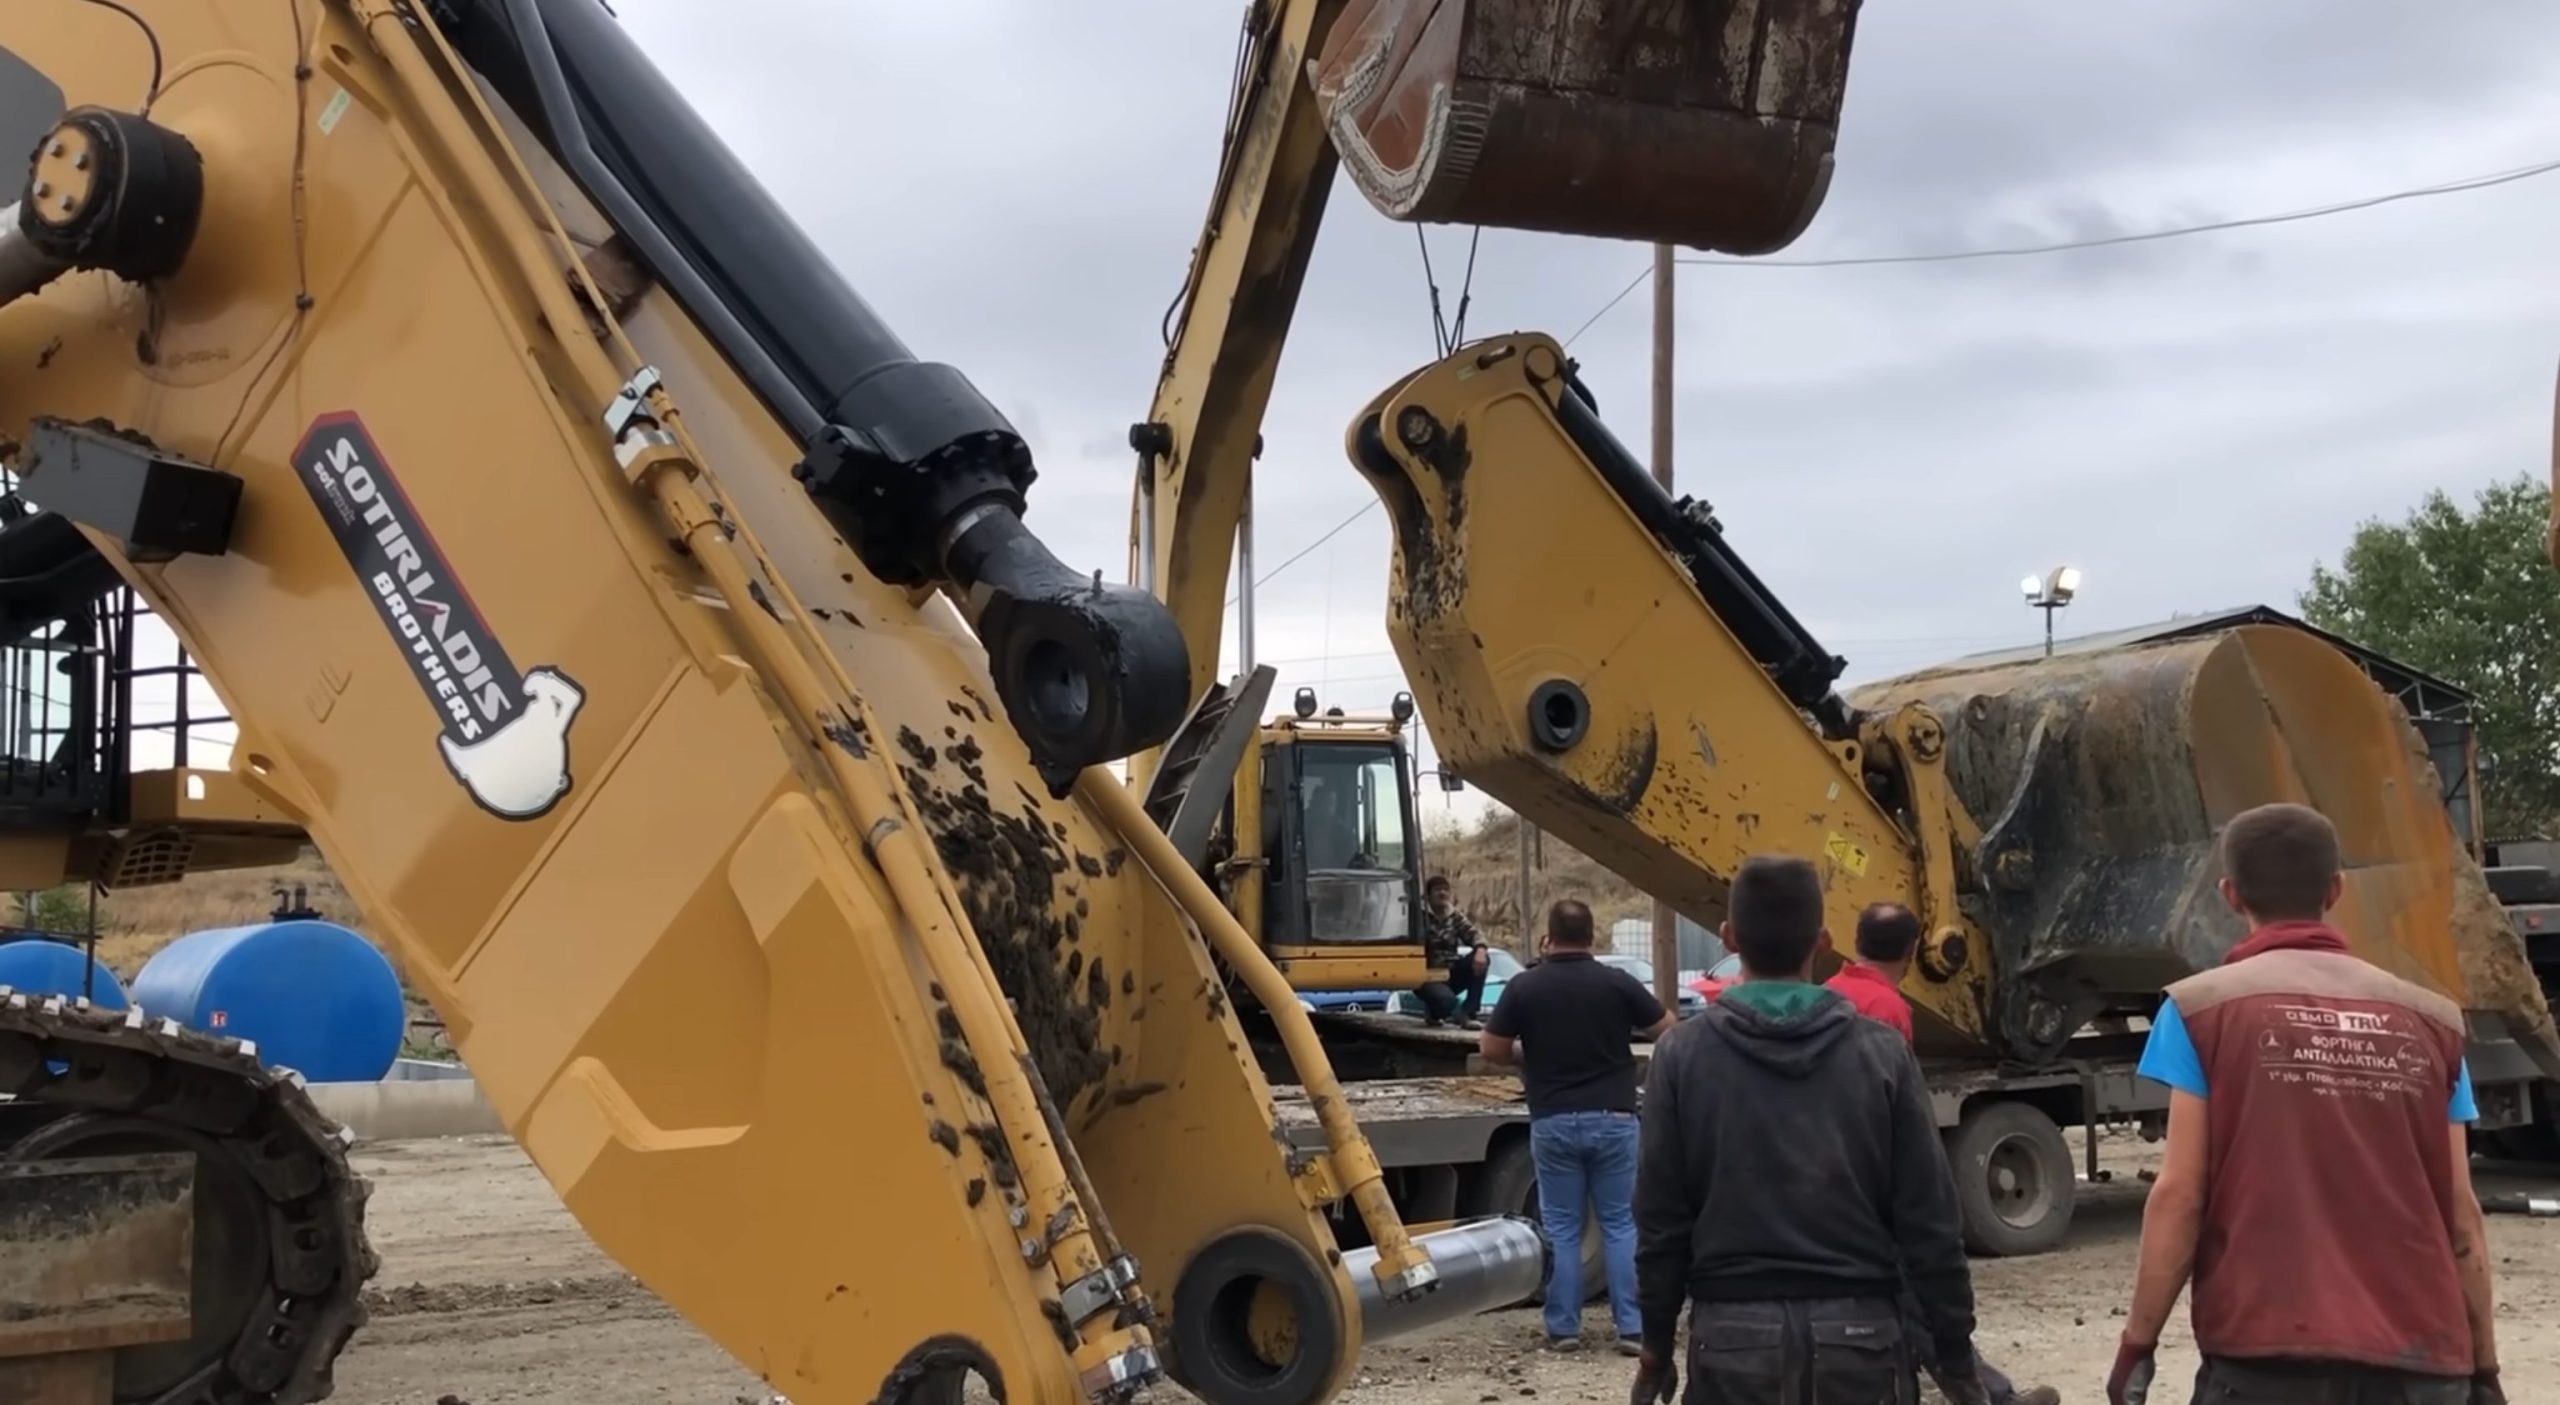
[2457, 186]
[2452, 187]
[1304, 551]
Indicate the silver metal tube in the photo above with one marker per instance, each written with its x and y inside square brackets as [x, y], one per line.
[2520, 1203]
[1244, 574]
[1146, 524]
[23, 268]
[1484, 1265]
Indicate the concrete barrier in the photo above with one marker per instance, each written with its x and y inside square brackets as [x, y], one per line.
[409, 1105]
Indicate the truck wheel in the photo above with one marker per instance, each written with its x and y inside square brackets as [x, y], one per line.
[2537, 1143]
[2014, 1181]
[1507, 1184]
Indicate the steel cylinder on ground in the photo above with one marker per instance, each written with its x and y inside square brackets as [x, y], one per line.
[38, 966]
[2101, 778]
[1484, 1264]
[315, 997]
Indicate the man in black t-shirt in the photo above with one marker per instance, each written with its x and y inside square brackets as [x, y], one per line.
[1568, 1023]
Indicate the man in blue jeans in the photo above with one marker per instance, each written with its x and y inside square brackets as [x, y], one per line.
[1569, 1024]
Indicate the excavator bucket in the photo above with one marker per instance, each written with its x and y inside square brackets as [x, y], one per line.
[1706, 123]
[2101, 778]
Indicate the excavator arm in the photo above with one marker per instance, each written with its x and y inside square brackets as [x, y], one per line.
[1226, 328]
[1708, 125]
[653, 645]
[1643, 694]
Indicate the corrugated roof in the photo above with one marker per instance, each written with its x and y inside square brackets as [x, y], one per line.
[2421, 693]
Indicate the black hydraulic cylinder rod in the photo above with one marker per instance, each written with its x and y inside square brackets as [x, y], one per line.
[1793, 658]
[918, 470]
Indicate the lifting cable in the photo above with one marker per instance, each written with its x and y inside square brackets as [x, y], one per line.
[1447, 334]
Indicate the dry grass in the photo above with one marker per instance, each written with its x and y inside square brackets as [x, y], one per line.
[137, 922]
[1483, 866]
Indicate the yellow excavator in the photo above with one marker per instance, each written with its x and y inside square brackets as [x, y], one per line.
[2051, 821]
[1711, 126]
[657, 649]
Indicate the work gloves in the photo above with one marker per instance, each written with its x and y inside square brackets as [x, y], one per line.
[2129, 1383]
[1657, 1379]
[2485, 1389]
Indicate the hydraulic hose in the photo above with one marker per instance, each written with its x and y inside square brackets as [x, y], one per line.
[1402, 1268]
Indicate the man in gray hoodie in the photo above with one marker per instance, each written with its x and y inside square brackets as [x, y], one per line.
[1790, 1187]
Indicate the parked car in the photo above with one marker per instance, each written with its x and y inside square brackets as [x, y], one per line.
[1338, 1000]
[1692, 1004]
[1717, 977]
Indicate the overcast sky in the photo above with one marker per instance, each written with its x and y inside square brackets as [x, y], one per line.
[1016, 187]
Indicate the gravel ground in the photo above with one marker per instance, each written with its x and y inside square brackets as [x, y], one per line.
[490, 1294]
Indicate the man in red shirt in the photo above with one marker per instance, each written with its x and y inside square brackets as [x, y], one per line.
[1887, 935]
[2316, 1183]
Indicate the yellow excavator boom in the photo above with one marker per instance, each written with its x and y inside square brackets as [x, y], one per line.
[1645, 696]
[653, 645]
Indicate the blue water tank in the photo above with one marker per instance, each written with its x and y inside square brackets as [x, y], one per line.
[39, 967]
[316, 998]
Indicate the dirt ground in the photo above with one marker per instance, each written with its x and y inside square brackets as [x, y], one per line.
[491, 1295]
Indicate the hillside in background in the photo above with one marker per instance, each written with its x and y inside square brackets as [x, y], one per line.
[1483, 865]
[139, 921]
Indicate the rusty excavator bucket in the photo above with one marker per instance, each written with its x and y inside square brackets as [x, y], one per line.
[1705, 123]
[2100, 778]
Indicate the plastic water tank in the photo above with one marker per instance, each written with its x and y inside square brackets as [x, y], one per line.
[316, 998]
[39, 967]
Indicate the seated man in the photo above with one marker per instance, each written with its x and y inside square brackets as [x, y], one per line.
[1450, 942]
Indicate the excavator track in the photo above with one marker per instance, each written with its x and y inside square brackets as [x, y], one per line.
[280, 1252]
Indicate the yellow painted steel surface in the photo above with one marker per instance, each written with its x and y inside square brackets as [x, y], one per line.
[721, 979]
[2056, 816]
[1521, 567]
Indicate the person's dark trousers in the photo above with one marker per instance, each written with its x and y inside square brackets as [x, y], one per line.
[1466, 981]
[1837, 1351]
[2226, 1380]
[1995, 1383]
[1438, 1001]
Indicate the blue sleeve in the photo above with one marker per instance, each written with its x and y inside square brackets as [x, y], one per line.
[2465, 1107]
[2169, 1056]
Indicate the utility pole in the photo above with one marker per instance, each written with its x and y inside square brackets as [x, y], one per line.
[1666, 923]
[1528, 835]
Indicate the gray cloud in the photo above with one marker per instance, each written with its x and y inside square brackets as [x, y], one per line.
[1017, 187]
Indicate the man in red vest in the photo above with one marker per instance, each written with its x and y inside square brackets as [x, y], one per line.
[2316, 1183]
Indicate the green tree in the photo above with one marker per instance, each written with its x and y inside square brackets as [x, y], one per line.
[2471, 598]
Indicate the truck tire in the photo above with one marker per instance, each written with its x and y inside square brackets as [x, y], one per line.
[1507, 1184]
[2537, 1143]
[2014, 1180]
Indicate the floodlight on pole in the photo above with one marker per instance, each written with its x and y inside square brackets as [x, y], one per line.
[2050, 592]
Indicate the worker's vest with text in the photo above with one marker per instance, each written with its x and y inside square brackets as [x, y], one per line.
[2329, 1087]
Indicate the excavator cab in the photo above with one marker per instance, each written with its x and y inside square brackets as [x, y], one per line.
[1305, 825]
[1342, 880]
